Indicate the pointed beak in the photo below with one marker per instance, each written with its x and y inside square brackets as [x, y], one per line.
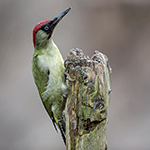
[57, 19]
[60, 16]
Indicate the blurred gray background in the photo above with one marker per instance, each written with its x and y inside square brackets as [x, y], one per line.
[119, 28]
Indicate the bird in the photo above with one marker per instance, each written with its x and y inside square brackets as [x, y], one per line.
[48, 71]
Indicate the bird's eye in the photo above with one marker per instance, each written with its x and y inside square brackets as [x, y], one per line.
[46, 28]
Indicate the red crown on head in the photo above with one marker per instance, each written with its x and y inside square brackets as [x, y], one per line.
[38, 26]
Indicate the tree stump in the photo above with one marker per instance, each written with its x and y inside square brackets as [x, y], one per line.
[89, 81]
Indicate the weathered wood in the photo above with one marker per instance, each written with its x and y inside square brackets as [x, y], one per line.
[88, 100]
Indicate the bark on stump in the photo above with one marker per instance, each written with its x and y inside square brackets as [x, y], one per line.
[89, 81]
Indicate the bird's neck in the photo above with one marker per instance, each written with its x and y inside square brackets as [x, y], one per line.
[51, 49]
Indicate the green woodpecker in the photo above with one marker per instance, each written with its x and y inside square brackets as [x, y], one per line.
[48, 71]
